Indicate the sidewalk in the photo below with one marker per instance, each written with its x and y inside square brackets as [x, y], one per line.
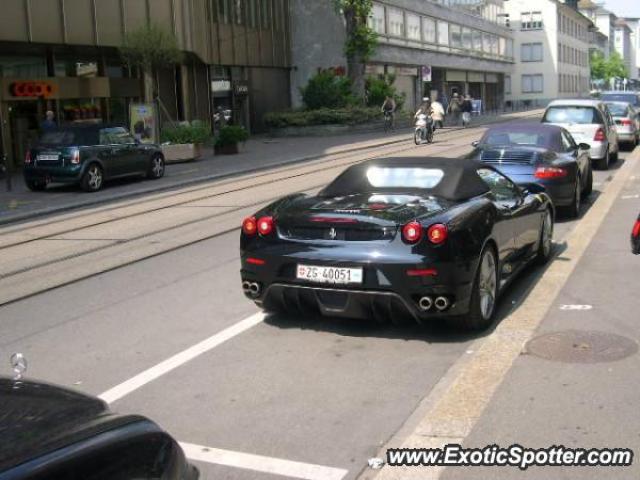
[259, 153]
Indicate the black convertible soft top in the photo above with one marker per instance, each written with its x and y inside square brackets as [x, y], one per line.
[457, 179]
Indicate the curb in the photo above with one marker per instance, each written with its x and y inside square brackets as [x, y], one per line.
[220, 176]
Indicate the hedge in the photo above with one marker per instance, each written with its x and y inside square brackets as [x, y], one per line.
[322, 116]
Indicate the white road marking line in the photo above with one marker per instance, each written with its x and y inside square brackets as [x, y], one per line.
[258, 463]
[181, 358]
[630, 197]
[576, 307]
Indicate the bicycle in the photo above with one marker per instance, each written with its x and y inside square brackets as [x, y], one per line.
[388, 121]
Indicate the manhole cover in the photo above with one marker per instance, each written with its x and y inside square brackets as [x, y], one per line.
[579, 346]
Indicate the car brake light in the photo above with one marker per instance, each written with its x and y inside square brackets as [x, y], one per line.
[265, 225]
[636, 230]
[626, 122]
[249, 226]
[599, 137]
[550, 172]
[75, 156]
[422, 272]
[437, 233]
[256, 261]
[27, 157]
[412, 232]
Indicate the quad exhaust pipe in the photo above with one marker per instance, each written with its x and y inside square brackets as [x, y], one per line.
[442, 303]
[251, 288]
[425, 303]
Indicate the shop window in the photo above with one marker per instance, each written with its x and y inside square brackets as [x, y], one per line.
[23, 66]
[376, 20]
[428, 30]
[84, 110]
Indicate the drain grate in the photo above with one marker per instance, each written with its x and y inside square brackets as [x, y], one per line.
[581, 346]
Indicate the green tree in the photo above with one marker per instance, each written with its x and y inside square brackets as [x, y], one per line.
[606, 69]
[598, 66]
[150, 48]
[361, 40]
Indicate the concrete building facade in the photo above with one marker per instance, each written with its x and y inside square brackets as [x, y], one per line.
[623, 45]
[432, 48]
[604, 21]
[552, 52]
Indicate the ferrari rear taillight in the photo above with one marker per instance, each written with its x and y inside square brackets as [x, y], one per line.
[265, 225]
[250, 226]
[412, 232]
[550, 172]
[27, 157]
[75, 156]
[599, 136]
[636, 230]
[438, 233]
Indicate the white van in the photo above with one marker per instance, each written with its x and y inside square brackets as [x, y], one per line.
[590, 122]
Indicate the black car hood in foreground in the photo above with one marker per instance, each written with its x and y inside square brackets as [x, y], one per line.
[37, 417]
[386, 209]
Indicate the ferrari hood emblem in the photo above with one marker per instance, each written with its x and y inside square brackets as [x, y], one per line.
[332, 233]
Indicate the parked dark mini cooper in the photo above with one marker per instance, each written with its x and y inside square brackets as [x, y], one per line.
[89, 155]
[49, 432]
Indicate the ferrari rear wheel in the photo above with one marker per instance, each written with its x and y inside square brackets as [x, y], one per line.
[484, 294]
[573, 210]
[589, 186]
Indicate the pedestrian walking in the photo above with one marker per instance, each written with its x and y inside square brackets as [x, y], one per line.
[437, 113]
[48, 123]
[466, 108]
[455, 108]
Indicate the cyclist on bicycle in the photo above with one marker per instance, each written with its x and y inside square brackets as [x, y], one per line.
[389, 109]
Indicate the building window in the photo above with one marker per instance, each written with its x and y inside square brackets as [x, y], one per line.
[477, 41]
[509, 52]
[455, 34]
[396, 22]
[507, 84]
[532, 83]
[531, 52]
[486, 43]
[531, 20]
[443, 33]
[413, 27]
[23, 66]
[466, 38]
[428, 30]
[376, 20]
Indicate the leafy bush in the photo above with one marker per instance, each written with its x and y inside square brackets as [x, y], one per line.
[327, 90]
[231, 134]
[323, 116]
[194, 132]
[378, 88]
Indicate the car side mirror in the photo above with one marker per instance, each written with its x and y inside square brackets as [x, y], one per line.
[475, 143]
[584, 146]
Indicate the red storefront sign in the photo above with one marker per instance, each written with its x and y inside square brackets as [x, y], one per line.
[32, 89]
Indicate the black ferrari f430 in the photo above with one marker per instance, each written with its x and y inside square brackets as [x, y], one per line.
[396, 239]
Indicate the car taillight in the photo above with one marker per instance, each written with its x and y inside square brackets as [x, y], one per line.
[27, 157]
[599, 136]
[550, 172]
[265, 225]
[249, 226]
[438, 233]
[626, 122]
[75, 156]
[636, 230]
[412, 232]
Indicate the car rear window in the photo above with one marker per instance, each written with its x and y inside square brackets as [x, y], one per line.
[621, 97]
[427, 178]
[68, 137]
[570, 114]
[516, 138]
[618, 110]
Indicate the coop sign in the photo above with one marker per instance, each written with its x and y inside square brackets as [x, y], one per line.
[32, 89]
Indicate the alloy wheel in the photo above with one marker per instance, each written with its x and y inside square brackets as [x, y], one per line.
[157, 167]
[547, 234]
[488, 284]
[95, 177]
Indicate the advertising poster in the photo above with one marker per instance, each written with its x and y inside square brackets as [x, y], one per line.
[143, 119]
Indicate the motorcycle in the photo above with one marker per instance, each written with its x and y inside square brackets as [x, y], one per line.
[424, 129]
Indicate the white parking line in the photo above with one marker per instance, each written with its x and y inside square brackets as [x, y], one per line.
[181, 358]
[258, 463]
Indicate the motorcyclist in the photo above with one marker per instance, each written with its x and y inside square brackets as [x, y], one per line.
[424, 109]
[389, 108]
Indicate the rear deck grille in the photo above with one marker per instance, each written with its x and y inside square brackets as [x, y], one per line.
[338, 233]
[507, 156]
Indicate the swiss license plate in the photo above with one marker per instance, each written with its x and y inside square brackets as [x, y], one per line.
[336, 275]
[48, 157]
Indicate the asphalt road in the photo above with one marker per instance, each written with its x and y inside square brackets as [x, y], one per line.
[316, 398]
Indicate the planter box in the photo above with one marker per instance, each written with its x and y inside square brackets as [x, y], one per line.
[227, 149]
[182, 152]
